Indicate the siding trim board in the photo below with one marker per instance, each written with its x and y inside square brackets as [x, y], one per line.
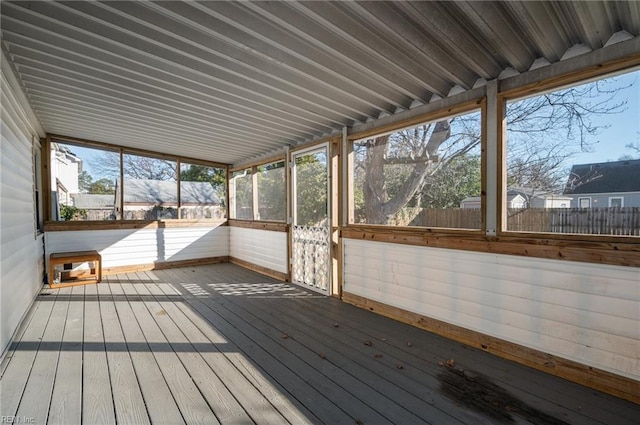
[67, 226]
[161, 265]
[260, 225]
[521, 244]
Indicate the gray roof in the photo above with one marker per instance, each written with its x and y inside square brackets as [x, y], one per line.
[604, 177]
[198, 193]
[89, 201]
[157, 192]
[471, 199]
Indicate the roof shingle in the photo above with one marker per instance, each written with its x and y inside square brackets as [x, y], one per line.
[604, 177]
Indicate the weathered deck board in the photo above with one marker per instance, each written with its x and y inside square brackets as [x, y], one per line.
[21, 357]
[193, 406]
[296, 386]
[97, 396]
[225, 407]
[221, 344]
[436, 349]
[66, 400]
[161, 405]
[404, 386]
[387, 343]
[392, 401]
[209, 364]
[128, 400]
[37, 394]
[255, 393]
[570, 402]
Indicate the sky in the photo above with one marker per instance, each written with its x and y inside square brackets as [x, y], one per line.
[88, 156]
[624, 128]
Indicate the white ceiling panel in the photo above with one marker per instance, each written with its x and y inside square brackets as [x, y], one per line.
[230, 81]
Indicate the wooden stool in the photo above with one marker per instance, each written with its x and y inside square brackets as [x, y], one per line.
[80, 277]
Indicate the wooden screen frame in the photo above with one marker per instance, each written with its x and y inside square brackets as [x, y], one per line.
[120, 223]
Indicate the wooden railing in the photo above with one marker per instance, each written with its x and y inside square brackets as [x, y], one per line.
[453, 218]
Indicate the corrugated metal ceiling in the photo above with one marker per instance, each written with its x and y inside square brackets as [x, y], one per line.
[227, 81]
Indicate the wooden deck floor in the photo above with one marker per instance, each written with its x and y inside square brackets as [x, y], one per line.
[220, 344]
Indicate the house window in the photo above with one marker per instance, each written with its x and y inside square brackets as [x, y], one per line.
[428, 175]
[584, 202]
[616, 202]
[83, 182]
[559, 143]
[202, 191]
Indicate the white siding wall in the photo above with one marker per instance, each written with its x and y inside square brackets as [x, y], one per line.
[584, 312]
[260, 247]
[20, 248]
[125, 247]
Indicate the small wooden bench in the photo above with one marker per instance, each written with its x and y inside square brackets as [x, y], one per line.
[79, 277]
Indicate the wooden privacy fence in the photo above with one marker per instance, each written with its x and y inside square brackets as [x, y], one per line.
[593, 221]
[596, 221]
[453, 218]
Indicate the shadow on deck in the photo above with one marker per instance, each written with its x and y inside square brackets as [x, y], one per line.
[221, 344]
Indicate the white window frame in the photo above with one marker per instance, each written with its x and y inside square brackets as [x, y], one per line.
[621, 198]
[580, 201]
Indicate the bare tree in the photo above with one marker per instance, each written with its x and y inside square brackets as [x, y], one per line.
[416, 148]
[543, 132]
[135, 167]
[634, 147]
[397, 165]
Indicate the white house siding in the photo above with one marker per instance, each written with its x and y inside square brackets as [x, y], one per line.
[21, 265]
[128, 247]
[260, 247]
[601, 200]
[583, 312]
[65, 168]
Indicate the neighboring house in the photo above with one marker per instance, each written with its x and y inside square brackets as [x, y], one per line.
[158, 199]
[534, 198]
[514, 200]
[551, 200]
[471, 202]
[525, 198]
[605, 184]
[65, 168]
[97, 207]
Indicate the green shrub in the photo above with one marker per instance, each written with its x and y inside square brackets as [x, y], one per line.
[69, 213]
